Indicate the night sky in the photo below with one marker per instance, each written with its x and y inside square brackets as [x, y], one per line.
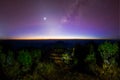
[53, 19]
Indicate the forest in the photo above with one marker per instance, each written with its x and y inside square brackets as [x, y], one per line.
[90, 61]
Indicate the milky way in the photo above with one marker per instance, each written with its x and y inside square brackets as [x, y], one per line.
[51, 19]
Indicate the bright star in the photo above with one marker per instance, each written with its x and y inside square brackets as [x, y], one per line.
[44, 18]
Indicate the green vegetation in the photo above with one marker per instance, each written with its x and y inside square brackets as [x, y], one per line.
[36, 55]
[10, 58]
[0, 49]
[66, 58]
[90, 58]
[25, 58]
[108, 52]
[28, 64]
[46, 68]
[2, 57]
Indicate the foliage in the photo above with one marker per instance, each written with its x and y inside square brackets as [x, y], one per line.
[10, 58]
[66, 58]
[0, 49]
[2, 59]
[75, 61]
[25, 58]
[36, 55]
[49, 71]
[12, 71]
[46, 68]
[91, 58]
[27, 77]
[108, 72]
[108, 50]
[37, 76]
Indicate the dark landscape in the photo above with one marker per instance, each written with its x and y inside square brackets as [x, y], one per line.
[59, 59]
[59, 40]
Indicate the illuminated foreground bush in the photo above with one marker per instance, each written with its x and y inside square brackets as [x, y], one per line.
[108, 52]
[109, 70]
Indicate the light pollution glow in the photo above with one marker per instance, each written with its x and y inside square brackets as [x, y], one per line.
[56, 37]
[59, 19]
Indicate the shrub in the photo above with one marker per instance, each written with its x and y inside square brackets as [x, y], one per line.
[0, 49]
[25, 58]
[36, 55]
[66, 58]
[2, 57]
[10, 58]
[108, 52]
[12, 71]
[46, 68]
[91, 58]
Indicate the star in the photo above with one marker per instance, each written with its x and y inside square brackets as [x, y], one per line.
[44, 18]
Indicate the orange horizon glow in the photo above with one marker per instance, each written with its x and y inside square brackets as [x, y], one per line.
[55, 38]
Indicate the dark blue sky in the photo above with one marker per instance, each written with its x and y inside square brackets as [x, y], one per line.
[52, 19]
